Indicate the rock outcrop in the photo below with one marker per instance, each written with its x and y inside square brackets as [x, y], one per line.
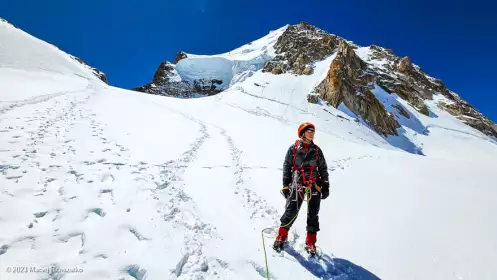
[469, 115]
[179, 57]
[99, 74]
[400, 76]
[405, 66]
[348, 82]
[166, 81]
[351, 78]
[402, 111]
[164, 73]
[313, 98]
[407, 80]
[299, 47]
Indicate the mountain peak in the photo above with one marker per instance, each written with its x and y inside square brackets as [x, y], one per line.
[298, 47]
[355, 76]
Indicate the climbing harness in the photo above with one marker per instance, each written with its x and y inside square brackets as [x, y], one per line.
[306, 186]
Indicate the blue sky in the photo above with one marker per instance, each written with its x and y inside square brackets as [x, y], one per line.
[455, 41]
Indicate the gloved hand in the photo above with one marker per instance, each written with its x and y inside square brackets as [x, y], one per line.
[325, 189]
[285, 191]
[325, 192]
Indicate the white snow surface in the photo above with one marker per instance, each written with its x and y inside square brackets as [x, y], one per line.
[104, 183]
[19, 50]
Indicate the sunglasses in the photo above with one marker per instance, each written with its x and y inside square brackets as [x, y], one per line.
[309, 130]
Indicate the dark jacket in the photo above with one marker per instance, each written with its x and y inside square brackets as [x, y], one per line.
[307, 155]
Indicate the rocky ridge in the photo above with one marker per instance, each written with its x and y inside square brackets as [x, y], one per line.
[300, 46]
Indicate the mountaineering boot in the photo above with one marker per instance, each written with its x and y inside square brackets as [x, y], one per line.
[310, 243]
[280, 239]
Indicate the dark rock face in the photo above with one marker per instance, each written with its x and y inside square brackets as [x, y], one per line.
[405, 66]
[209, 87]
[175, 89]
[412, 84]
[308, 71]
[470, 116]
[163, 73]
[405, 92]
[347, 83]
[350, 80]
[149, 88]
[400, 76]
[298, 47]
[179, 57]
[166, 81]
[402, 111]
[313, 98]
[99, 74]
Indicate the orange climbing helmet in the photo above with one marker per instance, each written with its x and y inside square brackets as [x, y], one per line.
[303, 127]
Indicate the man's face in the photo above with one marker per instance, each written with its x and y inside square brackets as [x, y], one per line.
[309, 133]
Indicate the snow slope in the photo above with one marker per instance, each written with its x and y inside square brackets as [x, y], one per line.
[19, 50]
[104, 183]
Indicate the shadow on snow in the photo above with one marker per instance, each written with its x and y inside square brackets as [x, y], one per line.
[326, 267]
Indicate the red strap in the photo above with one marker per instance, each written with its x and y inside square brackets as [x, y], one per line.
[311, 179]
